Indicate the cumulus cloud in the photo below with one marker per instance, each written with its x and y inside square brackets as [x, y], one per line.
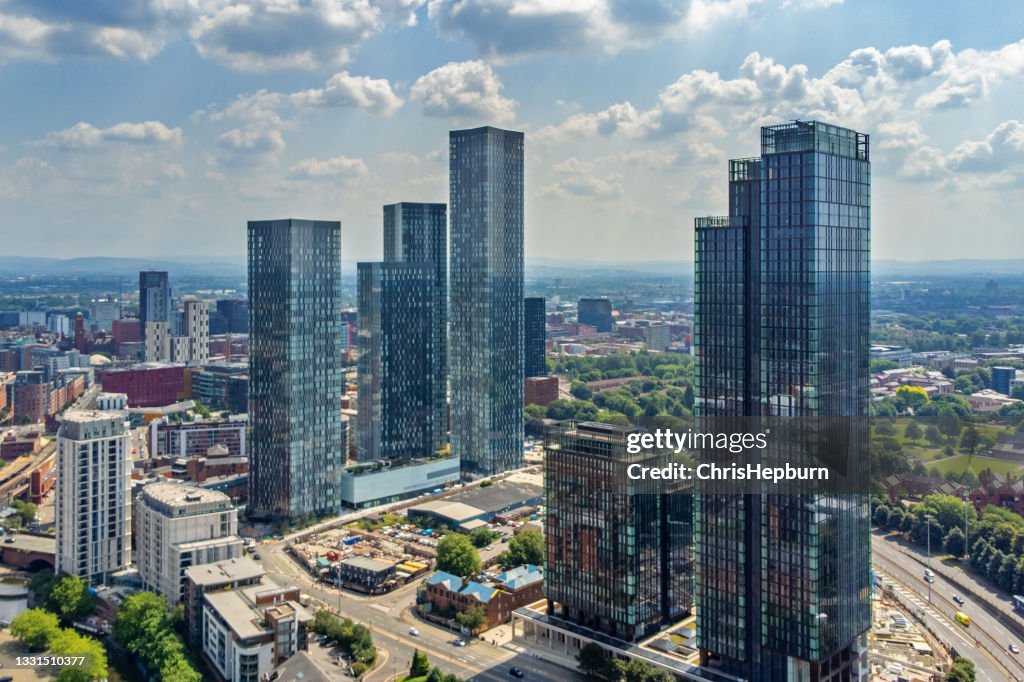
[583, 179]
[337, 167]
[345, 90]
[464, 90]
[1001, 148]
[249, 147]
[510, 28]
[84, 135]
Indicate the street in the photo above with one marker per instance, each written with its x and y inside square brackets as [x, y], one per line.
[985, 642]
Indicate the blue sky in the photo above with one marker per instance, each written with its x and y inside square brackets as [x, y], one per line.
[158, 127]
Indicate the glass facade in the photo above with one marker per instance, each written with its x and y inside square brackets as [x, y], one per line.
[398, 372]
[154, 298]
[418, 233]
[486, 190]
[295, 372]
[534, 338]
[781, 329]
[596, 312]
[619, 552]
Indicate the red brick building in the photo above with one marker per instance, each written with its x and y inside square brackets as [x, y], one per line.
[509, 591]
[147, 385]
[540, 390]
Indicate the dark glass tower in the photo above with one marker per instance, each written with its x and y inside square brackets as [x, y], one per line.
[596, 312]
[398, 370]
[154, 298]
[535, 335]
[781, 330]
[295, 373]
[486, 188]
[619, 552]
[418, 233]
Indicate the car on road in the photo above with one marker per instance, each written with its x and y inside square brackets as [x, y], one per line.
[9, 539]
[256, 557]
[414, 632]
[459, 642]
[1014, 649]
[928, 572]
[515, 672]
[929, 579]
[958, 599]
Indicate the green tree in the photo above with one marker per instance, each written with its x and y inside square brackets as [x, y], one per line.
[912, 397]
[457, 555]
[611, 417]
[420, 664]
[591, 659]
[948, 510]
[69, 643]
[35, 628]
[949, 423]
[636, 671]
[913, 431]
[581, 390]
[525, 548]
[483, 536]
[954, 543]
[969, 440]
[895, 519]
[932, 435]
[70, 598]
[962, 670]
[472, 618]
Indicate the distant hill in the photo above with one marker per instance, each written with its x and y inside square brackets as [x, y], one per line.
[117, 267]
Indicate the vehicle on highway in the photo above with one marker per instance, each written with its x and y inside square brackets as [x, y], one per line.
[459, 642]
[962, 618]
[9, 539]
[515, 672]
[414, 632]
[256, 557]
[928, 572]
[929, 579]
[1014, 649]
[958, 599]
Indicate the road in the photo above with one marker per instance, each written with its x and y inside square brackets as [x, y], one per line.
[390, 618]
[985, 642]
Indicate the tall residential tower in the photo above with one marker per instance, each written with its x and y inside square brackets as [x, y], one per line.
[486, 190]
[781, 331]
[295, 374]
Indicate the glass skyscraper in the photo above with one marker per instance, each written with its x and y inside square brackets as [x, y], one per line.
[295, 373]
[154, 298]
[619, 555]
[486, 190]
[398, 363]
[535, 338]
[596, 312]
[418, 233]
[781, 330]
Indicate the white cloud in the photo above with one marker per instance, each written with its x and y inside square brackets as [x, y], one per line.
[1001, 148]
[337, 167]
[85, 135]
[811, 4]
[249, 147]
[464, 90]
[345, 90]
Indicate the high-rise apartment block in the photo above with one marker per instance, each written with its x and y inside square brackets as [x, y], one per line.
[619, 558]
[295, 373]
[93, 500]
[196, 329]
[177, 526]
[534, 337]
[418, 233]
[781, 330]
[154, 297]
[398, 363]
[597, 312]
[486, 340]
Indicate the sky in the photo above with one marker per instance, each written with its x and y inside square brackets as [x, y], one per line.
[147, 128]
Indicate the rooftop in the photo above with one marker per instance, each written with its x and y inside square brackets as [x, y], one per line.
[177, 496]
[455, 511]
[224, 572]
[368, 563]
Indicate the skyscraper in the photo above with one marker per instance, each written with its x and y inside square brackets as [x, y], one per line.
[534, 338]
[486, 190]
[398, 417]
[418, 233]
[196, 329]
[596, 312]
[93, 501]
[154, 298]
[619, 558]
[781, 330]
[295, 374]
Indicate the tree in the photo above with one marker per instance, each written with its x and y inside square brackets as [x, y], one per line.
[913, 431]
[962, 670]
[895, 519]
[26, 510]
[472, 618]
[35, 628]
[969, 440]
[954, 543]
[881, 515]
[591, 659]
[420, 664]
[560, 409]
[912, 397]
[932, 435]
[948, 510]
[457, 555]
[636, 671]
[67, 642]
[483, 536]
[525, 548]
[949, 423]
[611, 417]
[581, 390]
[70, 598]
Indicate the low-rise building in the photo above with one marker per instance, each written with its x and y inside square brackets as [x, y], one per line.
[221, 575]
[497, 597]
[540, 390]
[365, 574]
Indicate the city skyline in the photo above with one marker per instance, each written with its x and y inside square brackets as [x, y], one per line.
[636, 102]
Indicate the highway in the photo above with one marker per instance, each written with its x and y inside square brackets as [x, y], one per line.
[985, 642]
[390, 618]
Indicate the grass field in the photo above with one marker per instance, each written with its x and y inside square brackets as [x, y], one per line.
[961, 463]
[922, 450]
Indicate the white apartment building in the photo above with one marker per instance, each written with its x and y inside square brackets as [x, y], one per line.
[93, 500]
[196, 328]
[191, 347]
[178, 526]
[158, 341]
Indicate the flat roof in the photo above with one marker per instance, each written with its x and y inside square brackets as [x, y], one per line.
[179, 495]
[368, 563]
[237, 613]
[501, 496]
[222, 572]
[454, 511]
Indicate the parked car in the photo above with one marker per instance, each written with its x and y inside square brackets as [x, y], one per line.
[414, 632]
[515, 672]
[462, 642]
